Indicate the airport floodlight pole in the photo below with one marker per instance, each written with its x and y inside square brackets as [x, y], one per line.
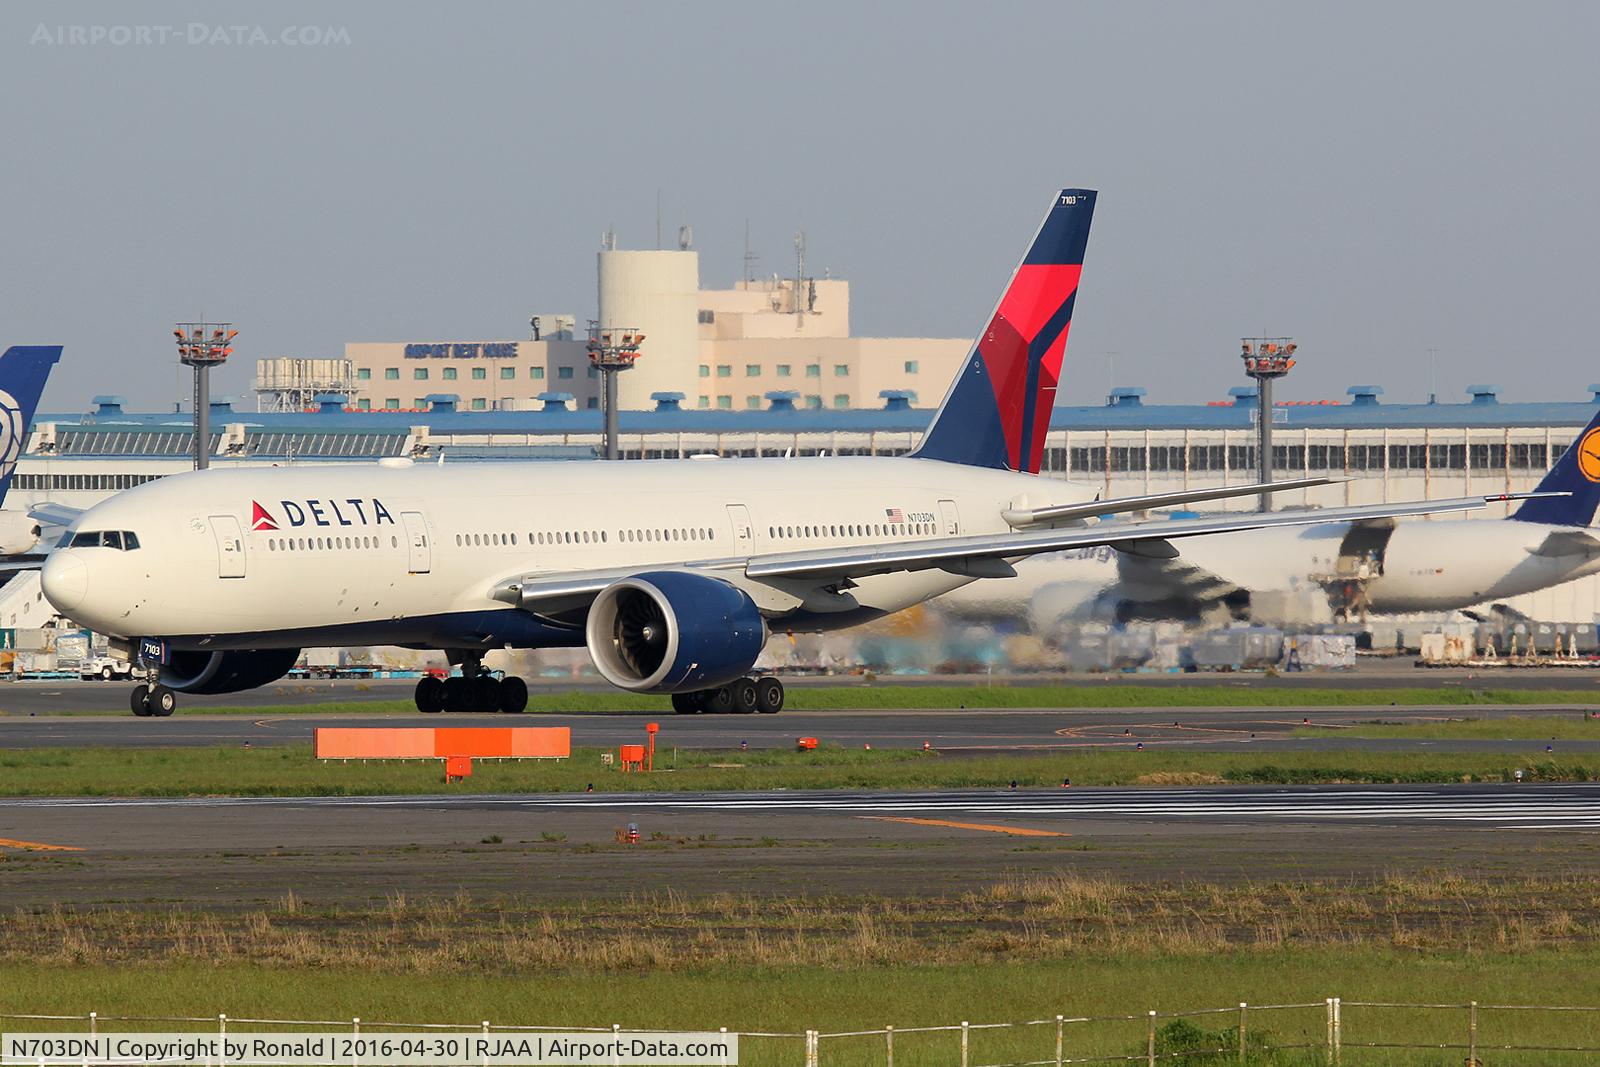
[1266, 359]
[612, 349]
[203, 345]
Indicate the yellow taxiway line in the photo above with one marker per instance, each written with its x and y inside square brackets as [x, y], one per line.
[1019, 831]
[36, 846]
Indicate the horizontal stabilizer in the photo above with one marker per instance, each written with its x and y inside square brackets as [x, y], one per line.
[1569, 542]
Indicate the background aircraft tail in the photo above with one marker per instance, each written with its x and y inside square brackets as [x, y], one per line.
[23, 372]
[997, 412]
[1577, 472]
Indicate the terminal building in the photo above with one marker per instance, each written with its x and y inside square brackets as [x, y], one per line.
[723, 349]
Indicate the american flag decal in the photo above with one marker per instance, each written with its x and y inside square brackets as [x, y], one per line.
[895, 514]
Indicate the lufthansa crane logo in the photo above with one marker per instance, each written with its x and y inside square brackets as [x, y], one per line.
[1589, 455]
[11, 424]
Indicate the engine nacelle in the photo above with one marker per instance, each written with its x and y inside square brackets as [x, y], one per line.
[670, 632]
[18, 533]
[226, 672]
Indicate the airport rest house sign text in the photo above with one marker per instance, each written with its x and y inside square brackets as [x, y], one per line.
[491, 350]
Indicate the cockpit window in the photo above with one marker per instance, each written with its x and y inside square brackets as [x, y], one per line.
[122, 540]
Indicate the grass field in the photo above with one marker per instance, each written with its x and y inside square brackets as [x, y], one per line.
[1574, 726]
[867, 696]
[290, 770]
[1026, 949]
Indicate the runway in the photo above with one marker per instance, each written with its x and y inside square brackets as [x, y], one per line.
[245, 852]
[1529, 807]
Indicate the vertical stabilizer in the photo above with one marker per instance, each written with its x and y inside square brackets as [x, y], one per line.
[997, 412]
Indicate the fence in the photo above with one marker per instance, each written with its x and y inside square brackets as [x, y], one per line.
[1321, 1032]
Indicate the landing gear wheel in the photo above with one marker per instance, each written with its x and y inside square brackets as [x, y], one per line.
[485, 694]
[769, 696]
[457, 694]
[513, 696]
[686, 703]
[429, 696]
[140, 700]
[742, 695]
[163, 701]
[719, 701]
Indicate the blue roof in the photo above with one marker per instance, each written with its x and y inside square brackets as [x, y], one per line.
[1120, 416]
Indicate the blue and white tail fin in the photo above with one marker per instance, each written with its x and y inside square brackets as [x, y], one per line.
[1577, 473]
[997, 412]
[23, 371]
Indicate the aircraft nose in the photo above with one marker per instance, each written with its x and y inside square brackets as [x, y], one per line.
[65, 580]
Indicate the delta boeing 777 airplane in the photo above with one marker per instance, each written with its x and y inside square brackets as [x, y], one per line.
[671, 572]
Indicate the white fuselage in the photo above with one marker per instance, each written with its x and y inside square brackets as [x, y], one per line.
[1423, 565]
[410, 554]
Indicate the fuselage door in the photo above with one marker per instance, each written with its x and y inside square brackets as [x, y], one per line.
[744, 535]
[230, 546]
[949, 518]
[419, 556]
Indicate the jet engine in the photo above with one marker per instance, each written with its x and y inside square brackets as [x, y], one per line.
[18, 533]
[671, 632]
[227, 672]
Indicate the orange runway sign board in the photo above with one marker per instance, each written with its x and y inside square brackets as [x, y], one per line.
[482, 742]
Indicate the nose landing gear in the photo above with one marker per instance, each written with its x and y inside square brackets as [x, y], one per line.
[153, 700]
[741, 697]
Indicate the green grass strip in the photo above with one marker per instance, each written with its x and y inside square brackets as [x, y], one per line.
[290, 770]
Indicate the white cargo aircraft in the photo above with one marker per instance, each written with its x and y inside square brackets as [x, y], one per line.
[1348, 569]
[671, 572]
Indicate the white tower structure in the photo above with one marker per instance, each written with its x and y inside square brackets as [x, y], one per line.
[656, 294]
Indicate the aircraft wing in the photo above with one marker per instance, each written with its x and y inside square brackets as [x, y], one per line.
[54, 514]
[978, 555]
[1122, 505]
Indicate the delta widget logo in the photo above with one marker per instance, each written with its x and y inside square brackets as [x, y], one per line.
[261, 518]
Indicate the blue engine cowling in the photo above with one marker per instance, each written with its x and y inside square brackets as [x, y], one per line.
[227, 672]
[671, 632]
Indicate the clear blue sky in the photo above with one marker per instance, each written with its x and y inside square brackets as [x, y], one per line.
[1377, 179]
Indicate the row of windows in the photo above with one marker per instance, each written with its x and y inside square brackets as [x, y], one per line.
[753, 402]
[450, 374]
[324, 444]
[753, 453]
[1484, 457]
[327, 544]
[124, 443]
[786, 370]
[867, 529]
[170, 443]
[92, 482]
[121, 540]
[585, 537]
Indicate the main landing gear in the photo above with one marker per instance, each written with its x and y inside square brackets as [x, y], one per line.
[747, 695]
[156, 700]
[474, 689]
